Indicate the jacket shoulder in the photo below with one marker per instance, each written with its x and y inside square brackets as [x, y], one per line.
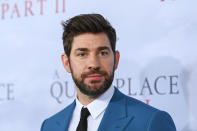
[148, 117]
[133, 104]
[64, 112]
[59, 119]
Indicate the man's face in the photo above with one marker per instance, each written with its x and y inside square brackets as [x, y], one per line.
[91, 63]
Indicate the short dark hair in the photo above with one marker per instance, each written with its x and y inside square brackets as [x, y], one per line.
[84, 23]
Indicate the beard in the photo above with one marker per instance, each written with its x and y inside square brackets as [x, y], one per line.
[88, 90]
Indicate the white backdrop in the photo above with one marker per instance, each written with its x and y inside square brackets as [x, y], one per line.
[156, 39]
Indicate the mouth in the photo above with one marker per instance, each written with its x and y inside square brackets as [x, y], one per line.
[95, 77]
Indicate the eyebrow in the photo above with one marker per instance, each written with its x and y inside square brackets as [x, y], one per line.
[81, 49]
[103, 48]
[99, 48]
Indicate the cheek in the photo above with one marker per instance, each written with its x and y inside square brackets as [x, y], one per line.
[109, 66]
[76, 69]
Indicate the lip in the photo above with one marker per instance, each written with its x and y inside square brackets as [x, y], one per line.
[94, 76]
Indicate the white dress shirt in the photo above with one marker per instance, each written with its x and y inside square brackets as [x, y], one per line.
[96, 108]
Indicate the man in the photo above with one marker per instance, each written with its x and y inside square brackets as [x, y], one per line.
[90, 56]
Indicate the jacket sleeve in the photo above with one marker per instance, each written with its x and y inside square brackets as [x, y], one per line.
[161, 121]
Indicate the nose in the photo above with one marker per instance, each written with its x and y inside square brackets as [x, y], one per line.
[94, 63]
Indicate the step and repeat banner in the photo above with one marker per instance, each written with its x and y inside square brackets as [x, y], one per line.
[157, 40]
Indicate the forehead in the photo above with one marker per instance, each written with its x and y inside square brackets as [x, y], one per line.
[90, 41]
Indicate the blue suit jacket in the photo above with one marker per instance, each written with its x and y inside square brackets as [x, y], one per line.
[122, 114]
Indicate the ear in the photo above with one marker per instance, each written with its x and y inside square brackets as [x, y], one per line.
[117, 57]
[65, 62]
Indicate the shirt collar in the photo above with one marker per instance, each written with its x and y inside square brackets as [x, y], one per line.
[99, 105]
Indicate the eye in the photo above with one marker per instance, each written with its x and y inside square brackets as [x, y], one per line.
[81, 54]
[104, 53]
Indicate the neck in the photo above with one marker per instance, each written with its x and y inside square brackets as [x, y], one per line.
[84, 99]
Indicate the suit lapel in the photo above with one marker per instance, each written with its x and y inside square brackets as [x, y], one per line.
[116, 117]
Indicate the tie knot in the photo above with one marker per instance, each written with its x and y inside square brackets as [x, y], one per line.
[84, 113]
